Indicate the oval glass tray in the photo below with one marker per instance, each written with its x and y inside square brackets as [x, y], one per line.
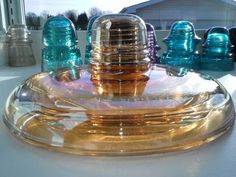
[163, 110]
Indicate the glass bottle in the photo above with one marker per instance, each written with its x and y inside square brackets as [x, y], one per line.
[20, 51]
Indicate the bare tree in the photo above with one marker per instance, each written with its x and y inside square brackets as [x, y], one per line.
[82, 21]
[45, 14]
[94, 11]
[72, 15]
[32, 21]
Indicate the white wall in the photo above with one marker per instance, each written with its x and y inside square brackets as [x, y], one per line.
[203, 13]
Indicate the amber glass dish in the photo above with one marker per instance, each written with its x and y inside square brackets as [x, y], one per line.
[159, 111]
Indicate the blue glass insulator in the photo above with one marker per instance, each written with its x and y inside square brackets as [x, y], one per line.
[89, 43]
[232, 34]
[181, 46]
[217, 51]
[217, 29]
[152, 44]
[60, 45]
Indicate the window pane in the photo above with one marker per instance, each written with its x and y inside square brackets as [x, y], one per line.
[37, 11]
[203, 13]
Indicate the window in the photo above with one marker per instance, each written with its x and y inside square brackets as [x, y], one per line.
[205, 13]
[79, 12]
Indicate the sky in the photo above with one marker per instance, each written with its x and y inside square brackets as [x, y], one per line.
[60, 6]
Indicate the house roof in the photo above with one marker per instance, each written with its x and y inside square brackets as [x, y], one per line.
[132, 9]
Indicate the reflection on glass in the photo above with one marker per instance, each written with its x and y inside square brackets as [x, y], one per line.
[177, 71]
